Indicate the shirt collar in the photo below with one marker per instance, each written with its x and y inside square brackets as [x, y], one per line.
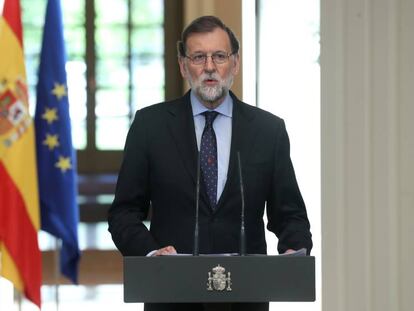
[225, 108]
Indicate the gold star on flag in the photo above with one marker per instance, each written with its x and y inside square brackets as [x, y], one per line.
[52, 141]
[64, 164]
[50, 115]
[59, 90]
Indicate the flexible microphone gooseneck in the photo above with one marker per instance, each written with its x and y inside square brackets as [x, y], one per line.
[242, 228]
[196, 236]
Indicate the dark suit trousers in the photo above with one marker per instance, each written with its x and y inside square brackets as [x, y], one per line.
[206, 307]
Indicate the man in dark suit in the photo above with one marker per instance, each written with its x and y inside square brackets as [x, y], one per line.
[160, 166]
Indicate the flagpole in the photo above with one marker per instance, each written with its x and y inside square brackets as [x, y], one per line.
[18, 298]
[57, 271]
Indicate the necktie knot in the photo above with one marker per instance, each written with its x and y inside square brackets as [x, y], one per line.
[210, 117]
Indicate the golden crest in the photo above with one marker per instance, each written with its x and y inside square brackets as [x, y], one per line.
[14, 114]
[217, 279]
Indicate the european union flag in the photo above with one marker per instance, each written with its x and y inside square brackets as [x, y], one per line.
[55, 155]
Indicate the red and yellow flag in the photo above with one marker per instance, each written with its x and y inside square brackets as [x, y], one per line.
[20, 259]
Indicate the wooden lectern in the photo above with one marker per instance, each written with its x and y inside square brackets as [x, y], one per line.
[252, 278]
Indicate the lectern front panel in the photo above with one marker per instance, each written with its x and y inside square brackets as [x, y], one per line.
[219, 279]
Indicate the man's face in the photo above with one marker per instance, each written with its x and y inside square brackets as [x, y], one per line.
[210, 81]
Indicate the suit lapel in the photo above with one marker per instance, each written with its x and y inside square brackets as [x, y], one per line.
[241, 140]
[181, 125]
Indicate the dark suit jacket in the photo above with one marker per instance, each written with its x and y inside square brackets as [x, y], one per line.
[159, 167]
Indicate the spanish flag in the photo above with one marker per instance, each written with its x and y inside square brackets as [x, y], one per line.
[20, 258]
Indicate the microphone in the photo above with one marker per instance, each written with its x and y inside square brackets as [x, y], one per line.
[242, 228]
[196, 236]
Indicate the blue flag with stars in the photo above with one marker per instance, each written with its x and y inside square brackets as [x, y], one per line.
[55, 154]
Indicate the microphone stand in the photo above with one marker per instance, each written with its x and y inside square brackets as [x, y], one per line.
[196, 235]
[242, 227]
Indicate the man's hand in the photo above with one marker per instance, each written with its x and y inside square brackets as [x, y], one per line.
[168, 250]
[289, 251]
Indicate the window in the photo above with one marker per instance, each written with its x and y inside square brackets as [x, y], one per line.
[115, 65]
[129, 65]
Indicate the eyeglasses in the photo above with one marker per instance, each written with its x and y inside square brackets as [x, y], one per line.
[218, 58]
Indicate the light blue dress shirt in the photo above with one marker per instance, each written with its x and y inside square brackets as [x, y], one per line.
[222, 128]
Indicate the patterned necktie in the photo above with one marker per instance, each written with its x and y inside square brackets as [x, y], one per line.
[208, 157]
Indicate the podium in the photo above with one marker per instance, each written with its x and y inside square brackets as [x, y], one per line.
[252, 278]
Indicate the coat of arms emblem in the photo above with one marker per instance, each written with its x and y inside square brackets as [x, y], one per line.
[218, 280]
[14, 114]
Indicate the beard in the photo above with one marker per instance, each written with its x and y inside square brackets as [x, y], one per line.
[211, 94]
